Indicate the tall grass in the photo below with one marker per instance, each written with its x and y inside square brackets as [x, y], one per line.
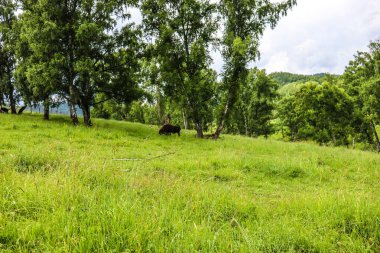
[63, 191]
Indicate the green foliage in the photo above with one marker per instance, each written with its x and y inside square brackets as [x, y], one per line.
[8, 34]
[135, 112]
[231, 195]
[108, 109]
[289, 89]
[284, 78]
[254, 110]
[72, 51]
[321, 112]
[371, 91]
[361, 80]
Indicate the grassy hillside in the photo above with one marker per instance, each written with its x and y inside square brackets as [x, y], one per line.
[62, 191]
[283, 78]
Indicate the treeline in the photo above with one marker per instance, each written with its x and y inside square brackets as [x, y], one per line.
[283, 78]
[87, 53]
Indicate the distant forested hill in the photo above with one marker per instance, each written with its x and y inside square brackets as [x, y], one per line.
[284, 78]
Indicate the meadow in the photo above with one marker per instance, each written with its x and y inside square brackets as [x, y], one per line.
[121, 187]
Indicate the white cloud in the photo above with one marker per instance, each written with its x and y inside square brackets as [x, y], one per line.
[320, 36]
[278, 60]
[136, 15]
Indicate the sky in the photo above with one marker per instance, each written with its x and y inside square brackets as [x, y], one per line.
[320, 36]
[317, 36]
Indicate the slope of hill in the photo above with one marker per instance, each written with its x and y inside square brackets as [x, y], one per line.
[122, 187]
[283, 78]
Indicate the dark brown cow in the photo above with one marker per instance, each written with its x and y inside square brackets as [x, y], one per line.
[4, 110]
[170, 129]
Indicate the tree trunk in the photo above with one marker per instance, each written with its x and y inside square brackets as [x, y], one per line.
[160, 105]
[232, 95]
[73, 113]
[12, 102]
[199, 129]
[369, 138]
[70, 75]
[46, 109]
[376, 136]
[185, 121]
[282, 132]
[245, 124]
[221, 121]
[86, 114]
[72, 101]
[333, 139]
[292, 134]
[22, 109]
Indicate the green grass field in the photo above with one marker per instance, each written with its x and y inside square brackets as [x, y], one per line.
[63, 191]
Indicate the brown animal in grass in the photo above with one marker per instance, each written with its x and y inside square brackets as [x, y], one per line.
[170, 129]
[4, 110]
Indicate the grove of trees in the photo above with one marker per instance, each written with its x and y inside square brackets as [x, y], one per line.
[88, 54]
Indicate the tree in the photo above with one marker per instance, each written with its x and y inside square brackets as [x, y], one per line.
[371, 106]
[321, 112]
[73, 45]
[183, 32]
[8, 20]
[2, 74]
[261, 105]
[288, 115]
[254, 109]
[153, 84]
[38, 75]
[244, 23]
[361, 80]
[284, 78]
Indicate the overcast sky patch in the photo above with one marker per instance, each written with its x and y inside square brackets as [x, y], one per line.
[320, 36]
